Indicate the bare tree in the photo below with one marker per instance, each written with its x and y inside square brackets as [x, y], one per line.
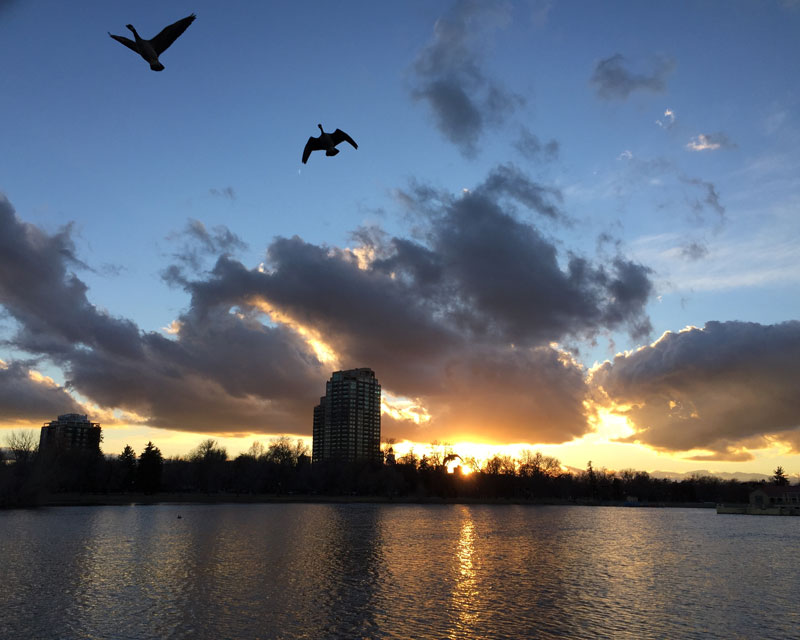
[508, 466]
[256, 451]
[411, 459]
[533, 464]
[282, 451]
[209, 450]
[492, 465]
[22, 444]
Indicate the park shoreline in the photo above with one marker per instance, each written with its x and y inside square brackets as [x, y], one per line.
[177, 498]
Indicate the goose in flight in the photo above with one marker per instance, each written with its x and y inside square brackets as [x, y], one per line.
[326, 141]
[151, 49]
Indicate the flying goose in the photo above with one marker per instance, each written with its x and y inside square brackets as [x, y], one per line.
[327, 141]
[151, 49]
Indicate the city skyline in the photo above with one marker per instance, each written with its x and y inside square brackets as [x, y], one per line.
[553, 235]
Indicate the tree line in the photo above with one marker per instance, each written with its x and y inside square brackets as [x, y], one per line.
[283, 468]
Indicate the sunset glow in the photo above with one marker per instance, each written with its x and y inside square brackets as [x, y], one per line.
[576, 245]
[316, 343]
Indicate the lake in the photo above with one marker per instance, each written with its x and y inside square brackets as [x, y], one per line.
[396, 571]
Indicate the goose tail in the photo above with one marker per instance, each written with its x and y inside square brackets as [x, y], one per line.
[156, 66]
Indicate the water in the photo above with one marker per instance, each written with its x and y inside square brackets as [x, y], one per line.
[396, 571]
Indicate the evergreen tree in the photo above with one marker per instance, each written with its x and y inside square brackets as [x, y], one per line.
[127, 462]
[151, 463]
[779, 477]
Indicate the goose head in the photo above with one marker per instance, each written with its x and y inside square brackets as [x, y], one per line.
[130, 26]
[321, 130]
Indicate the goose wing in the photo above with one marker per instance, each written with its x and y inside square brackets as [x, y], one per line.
[340, 136]
[313, 144]
[169, 34]
[126, 41]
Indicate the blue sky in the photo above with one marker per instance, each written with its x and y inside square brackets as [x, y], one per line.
[632, 167]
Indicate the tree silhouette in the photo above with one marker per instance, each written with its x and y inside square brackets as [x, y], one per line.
[151, 464]
[779, 477]
[209, 460]
[22, 444]
[127, 463]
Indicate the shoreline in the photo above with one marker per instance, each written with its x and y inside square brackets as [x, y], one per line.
[141, 499]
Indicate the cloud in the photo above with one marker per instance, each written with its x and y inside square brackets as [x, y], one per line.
[612, 80]
[504, 278]
[467, 307]
[668, 180]
[694, 250]
[223, 372]
[35, 280]
[728, 455]
[529, 145]
[227, 192]
[668, 121]
[718, 388]
[766, 258]
[710, 197]
[26, 396]
[710, 142]
[523, 395]
[448, 74]
[507, 180]
[198, 243]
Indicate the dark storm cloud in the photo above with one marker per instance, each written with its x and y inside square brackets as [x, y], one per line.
[222, 373]
[227, 192]
[364, 314]
[448, 74]
[47, 300]
[529, 145]
[613, 78]
[225, 371]
[718, 388]
[412, 337]
[467, 307]
[435, 316]
[26, 399]
[506, 179]
[498, 276]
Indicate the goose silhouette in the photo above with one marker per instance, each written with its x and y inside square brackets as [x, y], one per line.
[326, 141]
[151, 49]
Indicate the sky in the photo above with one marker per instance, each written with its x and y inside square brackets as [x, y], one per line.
[569, 227]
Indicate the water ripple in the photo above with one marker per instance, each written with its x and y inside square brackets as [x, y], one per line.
[395, 571]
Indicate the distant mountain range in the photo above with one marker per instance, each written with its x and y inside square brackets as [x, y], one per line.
[722, 475]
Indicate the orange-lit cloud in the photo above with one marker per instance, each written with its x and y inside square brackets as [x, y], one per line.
[713, 389]
[460, 318]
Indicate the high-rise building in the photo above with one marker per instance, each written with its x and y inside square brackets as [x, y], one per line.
[347, 420]
[71, 431]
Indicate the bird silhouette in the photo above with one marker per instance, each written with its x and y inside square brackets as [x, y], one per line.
[151, 49]
[326, 141]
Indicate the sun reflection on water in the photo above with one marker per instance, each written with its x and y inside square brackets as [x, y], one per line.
[465, 591]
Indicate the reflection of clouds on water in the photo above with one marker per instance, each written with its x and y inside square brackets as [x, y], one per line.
[394, 571]
[349, 571]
